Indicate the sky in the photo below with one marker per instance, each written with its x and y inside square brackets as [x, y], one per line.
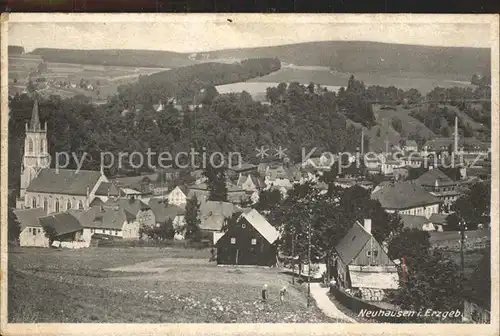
[197, 36]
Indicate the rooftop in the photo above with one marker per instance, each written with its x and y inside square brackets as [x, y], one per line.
[64, 181]
[403, 195]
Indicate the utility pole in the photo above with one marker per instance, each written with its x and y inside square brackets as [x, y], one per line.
[309, 268]
[293, 258]
[462, 242]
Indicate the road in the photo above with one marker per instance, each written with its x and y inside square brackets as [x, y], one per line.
[324, 303]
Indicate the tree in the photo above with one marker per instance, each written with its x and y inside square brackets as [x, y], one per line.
[50, 233]
[474, 206]
[412, 244]
[192, 219]
[432, 283]
[14, 228]
[216, 181]
[268, 199]
[397, 124]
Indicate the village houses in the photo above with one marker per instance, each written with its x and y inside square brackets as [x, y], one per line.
[250, 241]
[363, 267]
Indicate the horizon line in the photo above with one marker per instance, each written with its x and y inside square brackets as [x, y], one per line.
[260, 47]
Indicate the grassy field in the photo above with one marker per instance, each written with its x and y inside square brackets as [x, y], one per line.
[149, 285]
[108, 77]
[405, 81]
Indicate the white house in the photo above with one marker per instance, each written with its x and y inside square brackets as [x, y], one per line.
[407, 198]
[178, 196]
[67, 229]
[111, 221]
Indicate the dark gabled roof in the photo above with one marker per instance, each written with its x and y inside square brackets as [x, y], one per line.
[62, 223]
[104, 218]
[163, 211]
[64, 181]
[134, 206]
[96, 202]
[107, 189]
[352, 243]
[135, 181]
[403, 195]
[29, 217]
[430, 177]
[414, 222]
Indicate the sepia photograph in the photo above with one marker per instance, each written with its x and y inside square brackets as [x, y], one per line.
[249, 169]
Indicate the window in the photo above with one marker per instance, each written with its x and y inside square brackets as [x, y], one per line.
[45, 204]
[368, 253]
[91, 230]
[80, 205]
[233, 240]
[33, 203]
[57, 206]
[68, 205]
[41, 146]
[254, 241]
[34, 232]
[243, 226]
[29, 230]
[30, 146]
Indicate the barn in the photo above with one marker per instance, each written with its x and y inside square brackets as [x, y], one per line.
[250, 241]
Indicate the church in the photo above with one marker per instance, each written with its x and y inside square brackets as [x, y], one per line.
[54, 190]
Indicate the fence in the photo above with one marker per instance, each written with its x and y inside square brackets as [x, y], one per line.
[151, 243]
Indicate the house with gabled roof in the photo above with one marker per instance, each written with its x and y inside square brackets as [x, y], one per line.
[407, 198]
[178, 196]
[213, 215]
[436, 182]
[418, 222]
[139, 209]
[67, 228]
[108, 221]
[363, 266]
[249, 241]
[164, 211]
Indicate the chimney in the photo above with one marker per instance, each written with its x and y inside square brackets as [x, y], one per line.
[368, 225]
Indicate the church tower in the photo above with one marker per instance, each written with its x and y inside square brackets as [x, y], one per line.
[36, 156]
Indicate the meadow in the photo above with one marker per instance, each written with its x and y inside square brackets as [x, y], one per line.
[403, 80]
[146, 285]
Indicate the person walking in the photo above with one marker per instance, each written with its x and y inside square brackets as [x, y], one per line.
[264, 293]
[282, 293]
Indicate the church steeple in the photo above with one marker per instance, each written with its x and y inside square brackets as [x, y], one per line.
[35, 118]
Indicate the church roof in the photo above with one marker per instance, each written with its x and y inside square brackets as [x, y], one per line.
[64, 181]
[35, 117]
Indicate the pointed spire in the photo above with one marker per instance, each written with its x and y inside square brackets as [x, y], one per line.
[455, 149]
[35, 118]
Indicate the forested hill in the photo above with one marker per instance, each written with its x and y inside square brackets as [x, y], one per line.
[134, 58]
[343, 56]
[184, 83]
[359, 56]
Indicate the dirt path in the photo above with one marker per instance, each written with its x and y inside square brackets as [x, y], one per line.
[324, 303]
